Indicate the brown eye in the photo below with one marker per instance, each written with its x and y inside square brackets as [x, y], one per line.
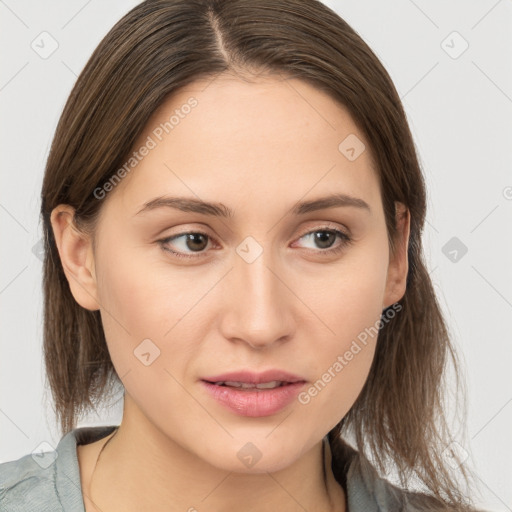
[324, 239]
[186, 244]
[193, 244]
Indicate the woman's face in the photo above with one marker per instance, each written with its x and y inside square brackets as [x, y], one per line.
[271, 286]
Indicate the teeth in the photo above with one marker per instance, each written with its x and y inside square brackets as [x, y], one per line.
[245, 385]
[269, 385]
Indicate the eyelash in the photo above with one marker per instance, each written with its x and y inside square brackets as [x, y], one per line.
[346, 241]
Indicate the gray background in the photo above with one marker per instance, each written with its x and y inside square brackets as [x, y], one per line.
[459, 105]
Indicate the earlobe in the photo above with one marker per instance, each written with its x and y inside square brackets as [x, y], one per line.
[399, 262]
[76, 255]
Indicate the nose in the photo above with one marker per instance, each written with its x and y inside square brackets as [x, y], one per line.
[258, 305]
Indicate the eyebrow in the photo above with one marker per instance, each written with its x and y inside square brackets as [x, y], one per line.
[215, 209]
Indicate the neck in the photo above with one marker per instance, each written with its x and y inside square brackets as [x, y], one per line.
[140, 468]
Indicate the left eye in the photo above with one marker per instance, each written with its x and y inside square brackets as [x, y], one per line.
[197, 241]
[325, 238]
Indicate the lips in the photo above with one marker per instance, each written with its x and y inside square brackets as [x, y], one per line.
[252, 394]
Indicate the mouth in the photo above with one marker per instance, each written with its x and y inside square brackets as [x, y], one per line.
[245, 379]
[251, 386]
[254, 394]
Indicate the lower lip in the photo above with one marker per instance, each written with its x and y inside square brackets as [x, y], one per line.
[253, 403]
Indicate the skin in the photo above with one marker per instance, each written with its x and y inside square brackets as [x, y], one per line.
[258, 148]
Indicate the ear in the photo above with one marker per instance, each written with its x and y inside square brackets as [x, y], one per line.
[398, 262]
[76, 255]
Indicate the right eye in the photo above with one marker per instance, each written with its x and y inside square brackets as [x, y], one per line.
[190, 240]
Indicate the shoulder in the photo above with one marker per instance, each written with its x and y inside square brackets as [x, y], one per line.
[29, 484]
[368, 492]
[48, 481]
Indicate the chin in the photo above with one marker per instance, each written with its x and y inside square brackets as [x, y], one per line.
[257, 455]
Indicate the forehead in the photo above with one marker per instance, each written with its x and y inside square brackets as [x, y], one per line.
[272, 139]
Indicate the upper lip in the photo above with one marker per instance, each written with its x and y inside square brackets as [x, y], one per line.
[255, 377]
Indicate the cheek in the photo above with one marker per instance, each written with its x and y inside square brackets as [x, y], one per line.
[141, 315]
[139, 292]
[348, 296]
[350, 303]
[341, 368]
[141, 311]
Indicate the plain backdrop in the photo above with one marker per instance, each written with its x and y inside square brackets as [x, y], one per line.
[451, 64]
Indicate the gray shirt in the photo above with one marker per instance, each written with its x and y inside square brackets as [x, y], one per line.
[51, 481]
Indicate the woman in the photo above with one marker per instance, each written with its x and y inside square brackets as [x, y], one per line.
[233, 210]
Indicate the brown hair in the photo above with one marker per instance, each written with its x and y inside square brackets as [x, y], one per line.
[162, 45]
